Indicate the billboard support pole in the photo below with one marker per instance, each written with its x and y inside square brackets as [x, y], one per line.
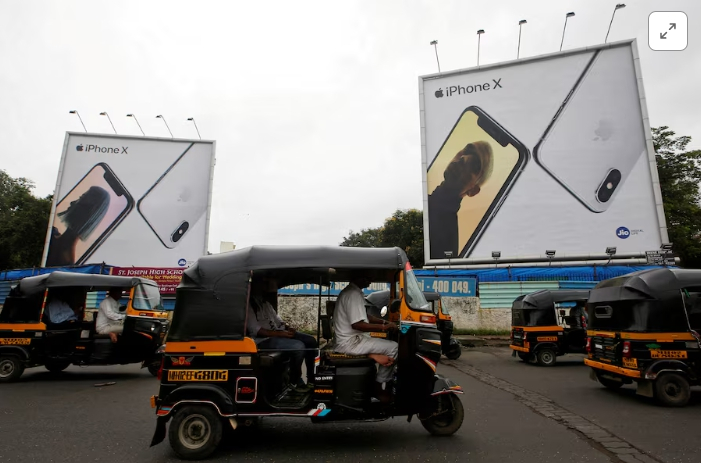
[568, 15]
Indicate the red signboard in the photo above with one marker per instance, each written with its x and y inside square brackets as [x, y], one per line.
[167, 278]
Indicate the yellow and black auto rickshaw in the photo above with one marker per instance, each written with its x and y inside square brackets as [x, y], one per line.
[29, 338]
[548, 323]
[644, 327]
[450, 346]
[215, 377]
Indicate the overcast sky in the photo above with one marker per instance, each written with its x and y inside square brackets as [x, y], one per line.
[313, 104]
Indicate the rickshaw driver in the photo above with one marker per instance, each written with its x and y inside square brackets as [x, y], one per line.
[351, 327]
[109, 319]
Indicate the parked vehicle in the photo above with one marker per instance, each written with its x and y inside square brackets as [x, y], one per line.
[644, 328]
[29, 339]
[450, 346]
[541, 331]
[215, 377]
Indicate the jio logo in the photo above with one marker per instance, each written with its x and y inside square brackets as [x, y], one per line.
[182, 262]
[622, 232]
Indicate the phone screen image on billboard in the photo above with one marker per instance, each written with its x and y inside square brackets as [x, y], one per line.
[468, 179]
[102, 178]
[581, 115]
[86, 216]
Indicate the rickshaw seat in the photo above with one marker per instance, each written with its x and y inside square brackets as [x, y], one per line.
[268, 359]
[346, 360]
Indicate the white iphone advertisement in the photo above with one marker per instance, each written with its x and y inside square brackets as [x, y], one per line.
[130, 201]
[545, 153]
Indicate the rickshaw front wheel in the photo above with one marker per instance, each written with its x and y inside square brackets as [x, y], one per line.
[448, 416]
[195, 432]
[57, 366]
[672, 390]
[11, 368]
[609, 383]
[525, 356]
[154, 367]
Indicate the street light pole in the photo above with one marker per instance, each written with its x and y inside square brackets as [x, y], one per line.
[73, 111]
[198, 130]
[618, 7]
[568, 15]
[137, 123]
[164, 121]
[479, 36]
[520, 23]
[108, 118]
[435, 46]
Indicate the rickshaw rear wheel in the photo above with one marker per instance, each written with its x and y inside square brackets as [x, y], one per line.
[56, 366]
[546, 357]
[11, 368]
[446, 422]
[609, 383]
[454, 354]
[195, 432]
[672, 390]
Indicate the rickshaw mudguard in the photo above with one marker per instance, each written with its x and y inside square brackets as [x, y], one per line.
[160, 432]
[203, 393]
[443, 385]
[667, 365]
[15, 350]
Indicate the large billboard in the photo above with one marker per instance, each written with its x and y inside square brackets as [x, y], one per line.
[130, 201]
[546, 153]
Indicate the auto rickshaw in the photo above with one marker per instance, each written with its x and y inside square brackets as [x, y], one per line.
[644, 327]
[215, 378]
[450, 346]
[28, 338]
[542, 329]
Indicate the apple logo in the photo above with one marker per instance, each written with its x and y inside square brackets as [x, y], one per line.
[79, 148]
[439, 93]
[605, 130]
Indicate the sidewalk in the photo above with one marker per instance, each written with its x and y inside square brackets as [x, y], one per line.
[468, 340]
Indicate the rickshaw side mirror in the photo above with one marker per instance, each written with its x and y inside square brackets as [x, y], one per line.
[383, 311]
[395, 305]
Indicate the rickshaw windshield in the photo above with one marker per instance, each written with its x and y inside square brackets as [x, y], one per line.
[414, 296]
[147, 297]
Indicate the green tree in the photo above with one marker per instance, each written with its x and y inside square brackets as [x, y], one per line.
[23, 221]
[680, 174]
[404, 229]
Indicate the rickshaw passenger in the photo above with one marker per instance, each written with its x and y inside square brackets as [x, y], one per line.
[109, 319]
[59, 311]
[271, 332]
[352, 326]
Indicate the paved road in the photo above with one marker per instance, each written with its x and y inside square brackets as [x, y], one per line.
[65, 418]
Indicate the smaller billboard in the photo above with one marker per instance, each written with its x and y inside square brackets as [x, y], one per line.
[167, 278]
[446, 286]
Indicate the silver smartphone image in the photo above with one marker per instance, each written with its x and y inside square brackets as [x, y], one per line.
[593, 143]
[177, 201]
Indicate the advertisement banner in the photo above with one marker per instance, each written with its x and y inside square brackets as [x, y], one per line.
[545, 153]
[167, 278]
[446, 286]
[126, 200]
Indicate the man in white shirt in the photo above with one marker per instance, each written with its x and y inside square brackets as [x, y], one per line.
[58, 309]
[352, 326]
[109, 319]
[271, 332]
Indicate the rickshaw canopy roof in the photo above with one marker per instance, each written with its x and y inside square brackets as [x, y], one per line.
[212, 295]
[546, 299]
[38, 284]
[647, 300]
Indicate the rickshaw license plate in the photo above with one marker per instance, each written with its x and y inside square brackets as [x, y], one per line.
[547, 338]
[15, 341]
[630, 363]
[668, 354]
[198, 375]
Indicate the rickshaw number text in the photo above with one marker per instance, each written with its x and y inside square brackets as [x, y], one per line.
[15, 341]
[198, 375]
[547, 338]
[668, 354]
